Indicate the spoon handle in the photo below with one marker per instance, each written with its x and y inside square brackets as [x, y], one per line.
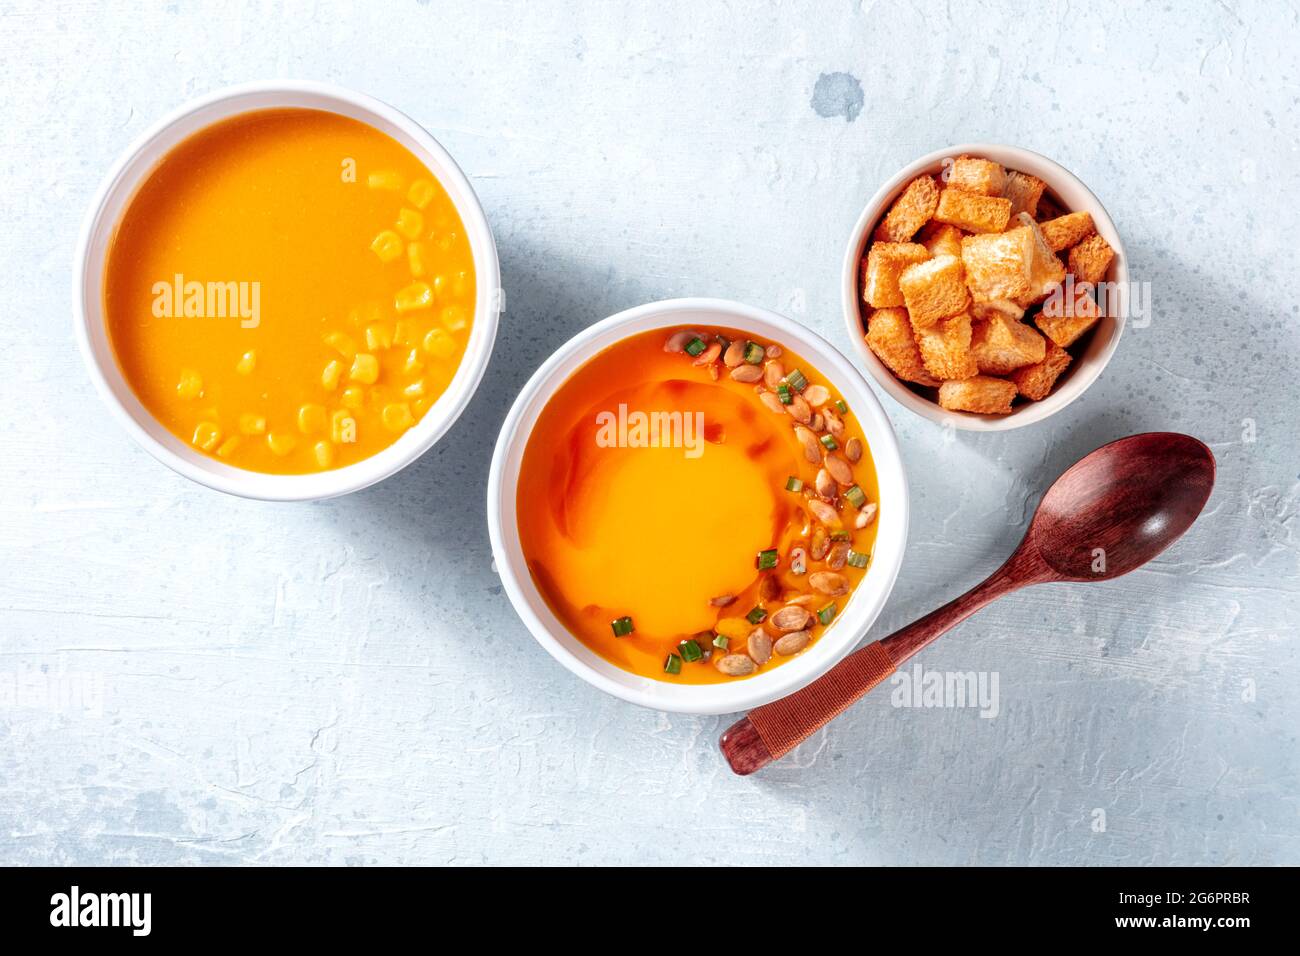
[773, 730]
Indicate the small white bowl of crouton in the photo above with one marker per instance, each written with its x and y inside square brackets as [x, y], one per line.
[985, 287]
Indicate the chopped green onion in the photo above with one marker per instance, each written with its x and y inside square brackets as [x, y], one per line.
[841, 407]
[621, 627]
[672, 664]
[721, 641]
[756, 616]
[783, 392]
[857, 558]
[695, 346]
[827, 614]
[841, 535]
[796, 380]
[754, 353]
[829, 441]
[855, 496]
[690, 651]
[767, 559]
[794, 484]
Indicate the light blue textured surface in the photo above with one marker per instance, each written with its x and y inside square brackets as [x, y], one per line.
[345, 682]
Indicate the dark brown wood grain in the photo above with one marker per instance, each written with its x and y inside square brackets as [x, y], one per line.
[1108, 514]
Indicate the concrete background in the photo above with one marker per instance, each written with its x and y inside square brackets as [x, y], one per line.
[190, 678]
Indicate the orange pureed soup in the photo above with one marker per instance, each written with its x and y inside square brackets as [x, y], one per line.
[695, 505]
[289, 291]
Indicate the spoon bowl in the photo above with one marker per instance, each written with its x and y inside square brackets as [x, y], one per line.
[1110, 513]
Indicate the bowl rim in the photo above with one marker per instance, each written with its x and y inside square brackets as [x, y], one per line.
[854, 621]
[1097, 354]
[101, 364]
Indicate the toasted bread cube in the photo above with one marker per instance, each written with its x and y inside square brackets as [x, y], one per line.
[1024, 191]
[1046, 271]
[910, 211]
[1048, 209]
[979, 393]
[987, 310]
[889, 335]
[1002, 345]
[1068, 230]
[1036, 381]
[973, 212]
[933, 290]
[998, 266]
[945, 348]
[1090, 259]
[884, 265]
[940, 239]
[1069, 313]
[977, 175]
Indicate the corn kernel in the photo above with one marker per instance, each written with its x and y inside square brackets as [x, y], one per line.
[406, 333]
[250, 423]
[415, 258]
[281, 443]
[413, 363]
[397, 417]
[330, 377]
[453, 317]
[312, 418]
[384, 179]
[353, 397]
[447, 242]
[387, 245]
[365, 369]
[461, 284]
[439, 343]
[378, 337]
[207, 435]
[441, 286]
[417, 295]
[419, 405]
[342, 343]
[228, 446]
[247, 362]
[415, 389]
[190, 385]
[421, 193]
[343, 427]
[410, 223]
[324, 453]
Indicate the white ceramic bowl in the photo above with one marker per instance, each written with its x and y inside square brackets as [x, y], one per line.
[1069, 193]
[838, 639]
[120, 186]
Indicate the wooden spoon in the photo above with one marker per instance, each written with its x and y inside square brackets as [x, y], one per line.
[1110, 513]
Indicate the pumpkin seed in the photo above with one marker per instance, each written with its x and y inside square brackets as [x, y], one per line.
[709, 355]
[812, 449]
[735, 665]
[734, 355]
[678, 340]
[798, 561]
[824, 513]
[821, 543]
[769, 588]
[773, 351]
[817, 395]
[840, 469]
[792, 617]
[746, 373]
[834, 424]
[866, 515]
[759, 646]
[853, 450]
[799, 410]
[792, 643]
[838, 555]
[772, 402]
[722, 600]
[773, 372]
[825, 484]
[829, 583]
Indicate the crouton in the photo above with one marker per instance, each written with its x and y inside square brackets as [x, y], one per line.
[998, 266]
[940, 239]
[1068, 313]
[972, 212]
[945, 348]
[1068, 230]
[1046, 271]
[977, 175]
[1002, 345]
[1048, 209]
[910, 211]
[979, 393]
[884, 264]
[1036, 381]
[987, 310]
[1090, 259]
[1024, 191]
[933, 290]
[889, 335]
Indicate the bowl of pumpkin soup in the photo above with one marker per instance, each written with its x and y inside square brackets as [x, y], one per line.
[697, 506]
[288, 291]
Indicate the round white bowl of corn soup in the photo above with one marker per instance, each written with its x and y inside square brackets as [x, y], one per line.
[1063, 193]
[617, 554]
[341, 393]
